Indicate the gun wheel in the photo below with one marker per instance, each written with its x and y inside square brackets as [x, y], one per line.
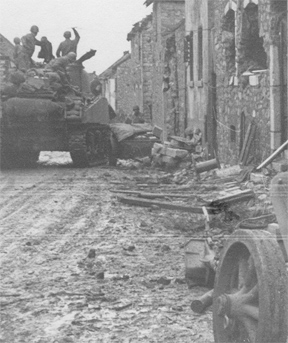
[250, 291]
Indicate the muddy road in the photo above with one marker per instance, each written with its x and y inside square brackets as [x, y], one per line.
[51, 291]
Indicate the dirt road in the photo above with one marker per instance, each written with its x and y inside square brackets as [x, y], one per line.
[51, 217]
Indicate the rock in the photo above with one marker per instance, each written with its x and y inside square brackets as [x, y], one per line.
[100, 275]
[165, 248]
[91, 253]
[164, 281]
[262, 197]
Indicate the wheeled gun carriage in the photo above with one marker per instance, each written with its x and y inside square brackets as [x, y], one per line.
[251, 288]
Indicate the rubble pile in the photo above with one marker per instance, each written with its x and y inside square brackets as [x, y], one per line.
[179, 152]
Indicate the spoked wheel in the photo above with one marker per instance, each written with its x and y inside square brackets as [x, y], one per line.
[250, 291]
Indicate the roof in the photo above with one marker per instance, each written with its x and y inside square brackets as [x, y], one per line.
[112, 69]
[149, 2]
[6, 47]
[139, 26]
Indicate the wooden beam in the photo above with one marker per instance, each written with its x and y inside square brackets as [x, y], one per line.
[161, 204]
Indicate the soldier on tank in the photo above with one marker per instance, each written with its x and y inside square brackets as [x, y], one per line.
[46, 51]
[68, 45]
[28, 47]
[96, 86]
[60, 64]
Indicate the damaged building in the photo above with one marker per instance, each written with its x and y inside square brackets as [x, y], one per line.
[169, 96]
[215, 65]
[128, 82]
[240, 50]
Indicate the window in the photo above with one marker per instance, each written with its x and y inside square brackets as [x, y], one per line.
[252, 55]
[228, 39]
[242, 130]
[200, 53]
[191, 62]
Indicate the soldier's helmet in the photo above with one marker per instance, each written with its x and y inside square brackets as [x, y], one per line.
[34, 29]
[67, 34]
[16, 40]
[71, 56]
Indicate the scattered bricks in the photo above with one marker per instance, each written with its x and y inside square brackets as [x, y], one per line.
[176, 153]
[258, 178]
[157, 131]
[174, 143]
[157, 148]
[280, 166]
[168, 159]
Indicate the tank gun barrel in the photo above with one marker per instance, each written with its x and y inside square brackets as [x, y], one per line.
[86, 56]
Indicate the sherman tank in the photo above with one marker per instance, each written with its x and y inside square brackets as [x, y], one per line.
[40, 114]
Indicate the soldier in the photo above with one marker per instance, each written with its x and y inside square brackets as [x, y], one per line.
[17, 51]
[59, 65]
[96, 86]
[46, 51]
[136, 117]
[28, 47]
[68, 45]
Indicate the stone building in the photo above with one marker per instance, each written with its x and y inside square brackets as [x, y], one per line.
[117, 87]
[140, 38]
[168, 88]
[248, 73]
[128, 82]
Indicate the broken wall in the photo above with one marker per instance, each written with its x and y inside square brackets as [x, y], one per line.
[242, 77]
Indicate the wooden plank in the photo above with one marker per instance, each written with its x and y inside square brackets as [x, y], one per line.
[247, 135]
[166, 205]
[233, 198]
[271, 157]
[155, 195]
[249, 144]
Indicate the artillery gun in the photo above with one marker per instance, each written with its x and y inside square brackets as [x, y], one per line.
[38, 114]
[251, 286]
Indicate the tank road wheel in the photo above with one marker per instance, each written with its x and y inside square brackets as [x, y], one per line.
[113, 150]
[19, 159]
[250, 291]
[86, 148]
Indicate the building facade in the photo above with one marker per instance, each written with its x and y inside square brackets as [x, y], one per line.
[246, 71]
[168, 89]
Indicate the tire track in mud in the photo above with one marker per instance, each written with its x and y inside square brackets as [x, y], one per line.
[58, 234]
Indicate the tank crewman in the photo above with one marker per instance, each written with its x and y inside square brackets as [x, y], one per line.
[68, 45]
[46, 50]
[136, 117]
[60, 64]
[17, 51]
[96, 86]
[28, 47]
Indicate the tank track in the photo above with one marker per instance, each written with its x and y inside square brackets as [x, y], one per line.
[81, 153]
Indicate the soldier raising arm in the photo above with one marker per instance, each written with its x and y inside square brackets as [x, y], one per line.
[68, 45]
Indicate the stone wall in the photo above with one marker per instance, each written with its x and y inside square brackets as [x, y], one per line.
[243, 86]
[167, 22]
[125, 93]
[174, 82]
